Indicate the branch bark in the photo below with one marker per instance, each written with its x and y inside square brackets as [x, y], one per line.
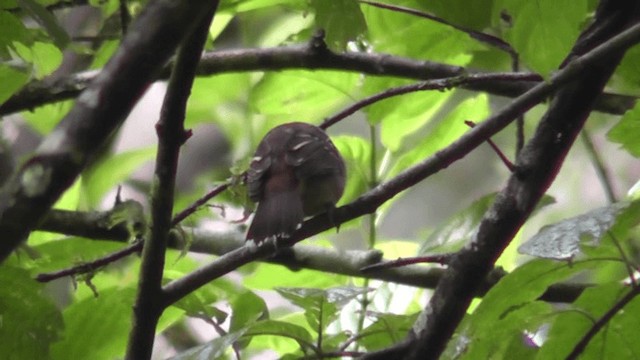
[302, 56]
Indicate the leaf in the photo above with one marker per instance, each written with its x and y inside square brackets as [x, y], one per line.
[29, 321]
[267, 277]
[12, 81]
[562, 240]
[109, 319]
[107, 174]
[282, 329]
[627, 131]
[356, 152]
[386, 330]
[459, 229]
[542, 31]
[509, 308]
[321, 307]
[571, 325]
[438, 136]
[302, 94]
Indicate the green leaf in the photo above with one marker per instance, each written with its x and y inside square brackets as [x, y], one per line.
[356, 152]
[342, 21]
[29, 321]
[13, 32]
[386, 330]
[281, 329]
[321, 307]
[562, 240]
[267, 277]
[12, 80]
[627, 131]
[111, 171]
[420, 146]
[508, 338]
[459, 229]
[247, 309]
[571, 325]
[45, 57]
[44, 118]
[101, 323]
[543, 31]
[60, 254]
[302, 95]
[511, 305]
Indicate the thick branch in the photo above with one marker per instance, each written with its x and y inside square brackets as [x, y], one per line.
[538, 164]
[350, 263]
[300, 57]
[99, 111]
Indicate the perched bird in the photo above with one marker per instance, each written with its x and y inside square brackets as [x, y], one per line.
[295, 172]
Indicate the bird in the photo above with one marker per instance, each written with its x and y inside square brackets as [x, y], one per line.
[296, 172]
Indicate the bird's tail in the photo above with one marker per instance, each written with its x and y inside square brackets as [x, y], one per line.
[278, 215]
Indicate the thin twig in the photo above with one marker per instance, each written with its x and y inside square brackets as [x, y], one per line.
[92, 266]
[495, 147]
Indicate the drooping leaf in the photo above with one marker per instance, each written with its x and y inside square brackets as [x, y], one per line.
[562, 240]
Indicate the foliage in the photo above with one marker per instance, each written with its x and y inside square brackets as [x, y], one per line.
[291, 312]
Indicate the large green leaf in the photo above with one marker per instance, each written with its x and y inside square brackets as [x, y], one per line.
[12, 80]
[302, 95]
[510, 308]
[29, 321]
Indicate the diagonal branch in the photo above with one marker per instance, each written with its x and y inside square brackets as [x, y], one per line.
[537, 166]
[368, 202]
[97, 113]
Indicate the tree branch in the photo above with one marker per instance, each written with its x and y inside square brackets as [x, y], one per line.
[537, 166]
[368, 202]
[303, 56]
[350, 263]
[171, 136]
[97, 113]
